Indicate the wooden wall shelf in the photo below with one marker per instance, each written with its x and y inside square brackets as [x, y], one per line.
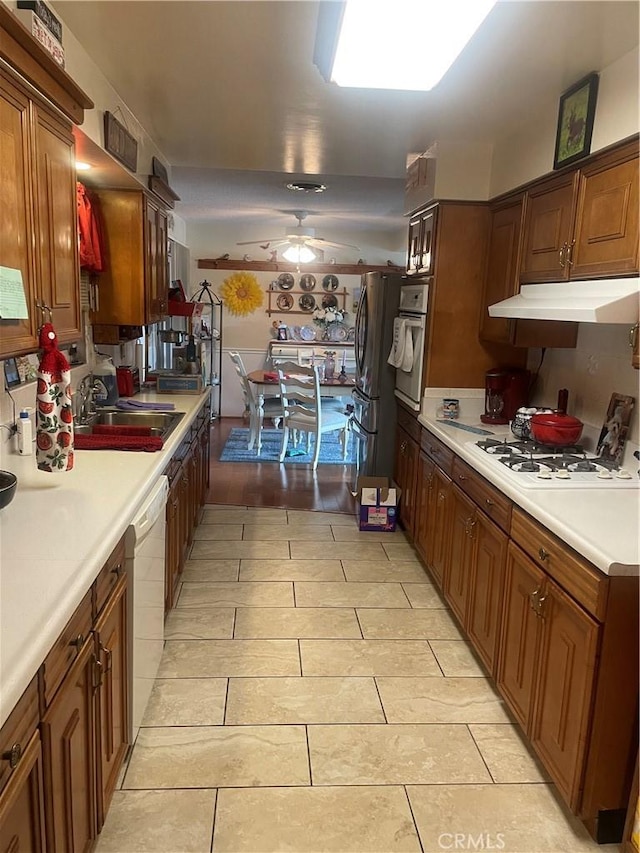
[272, 298]
[284, 266]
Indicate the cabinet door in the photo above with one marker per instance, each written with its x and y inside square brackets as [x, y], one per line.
[16, 222]
[439, 526]
[113, 695]
[426, 261]
[549, 215]
[564, 689]
[57, 250]
[405, 472]
[487, 583]
[501, 278]
[413, 248]
[425, 486]
[154, 261]
[606, 237]
[520, 633]
[69, 750]
[21, 804]
[457, 578]
[173, 546]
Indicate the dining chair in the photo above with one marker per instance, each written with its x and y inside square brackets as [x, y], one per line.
[271, 408]
[303, 410]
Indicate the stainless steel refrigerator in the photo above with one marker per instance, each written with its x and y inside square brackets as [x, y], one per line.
[374, 415]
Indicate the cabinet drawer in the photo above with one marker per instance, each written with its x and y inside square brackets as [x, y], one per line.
[66, 649]
[17, 732]
[409, 423]
[109, 575]
[489, 499]
[436, 450]
[579, 578]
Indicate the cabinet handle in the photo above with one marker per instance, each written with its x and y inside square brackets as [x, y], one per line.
[97, 672]
[533, 600]
[544, 555]
[13, 755]
[489, 502]
[116, 570]
[570, 253]
[561, 253]
[633, 335]
[540, 607]
[441, 497]
[461, 477]
[403, 447]
[78, 642]
[109, 656]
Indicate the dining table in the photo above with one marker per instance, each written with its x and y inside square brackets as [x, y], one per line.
[265, 384]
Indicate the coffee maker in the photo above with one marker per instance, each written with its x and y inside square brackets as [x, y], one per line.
[506, 390]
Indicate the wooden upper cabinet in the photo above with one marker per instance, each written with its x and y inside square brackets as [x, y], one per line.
[133, 287]
[16, 212]
[501, 278]
[584, 224]
[606, 240]
[420, 253]
[57, 262]
[548, 226]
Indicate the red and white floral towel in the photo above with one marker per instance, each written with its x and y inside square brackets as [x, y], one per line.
[54, 415]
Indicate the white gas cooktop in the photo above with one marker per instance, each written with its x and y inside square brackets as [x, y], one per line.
[530, 466]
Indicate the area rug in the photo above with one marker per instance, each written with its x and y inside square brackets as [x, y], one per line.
[235, 450]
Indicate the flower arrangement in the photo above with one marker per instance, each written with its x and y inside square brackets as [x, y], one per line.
[241, 293]
[324, 317]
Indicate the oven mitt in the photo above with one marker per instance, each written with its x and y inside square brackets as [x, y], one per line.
[54, 416]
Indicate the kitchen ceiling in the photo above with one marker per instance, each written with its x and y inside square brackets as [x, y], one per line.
[229, 93]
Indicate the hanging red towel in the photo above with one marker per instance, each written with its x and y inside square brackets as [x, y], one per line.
[89, 230]
[54, 415]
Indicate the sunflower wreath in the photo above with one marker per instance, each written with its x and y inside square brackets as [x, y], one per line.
[241, 293]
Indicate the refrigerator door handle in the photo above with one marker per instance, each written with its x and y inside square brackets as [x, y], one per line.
[361, 345]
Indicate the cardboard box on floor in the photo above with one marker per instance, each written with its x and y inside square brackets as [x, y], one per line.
[377, 504]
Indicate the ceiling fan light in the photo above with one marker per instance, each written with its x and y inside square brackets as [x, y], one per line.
[299, 255]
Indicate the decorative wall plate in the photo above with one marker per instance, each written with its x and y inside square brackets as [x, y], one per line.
[329, 301]
[307, 281]
[307, 302]
[351, 334]
[285, 302]
[285, 281]
[330, 282]
[337, 332]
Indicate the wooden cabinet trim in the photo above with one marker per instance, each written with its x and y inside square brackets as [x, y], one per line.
[409, 423]
[435, 449]
[580, 579]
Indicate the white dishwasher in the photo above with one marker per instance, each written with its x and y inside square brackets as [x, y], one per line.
[145, 554]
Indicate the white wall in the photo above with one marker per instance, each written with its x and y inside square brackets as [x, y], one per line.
[528, 154]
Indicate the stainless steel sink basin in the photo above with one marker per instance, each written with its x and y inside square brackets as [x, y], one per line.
[160, 423]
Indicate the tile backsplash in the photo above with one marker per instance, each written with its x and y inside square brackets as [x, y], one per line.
[599, 366]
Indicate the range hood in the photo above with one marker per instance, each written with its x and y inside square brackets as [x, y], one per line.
[613, 300]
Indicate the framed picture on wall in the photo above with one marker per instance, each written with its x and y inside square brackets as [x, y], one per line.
[575, 121]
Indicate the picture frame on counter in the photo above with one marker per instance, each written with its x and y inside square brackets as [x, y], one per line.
[576, 113]
[615, 428]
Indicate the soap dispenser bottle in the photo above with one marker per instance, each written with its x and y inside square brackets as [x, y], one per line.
[25, 434]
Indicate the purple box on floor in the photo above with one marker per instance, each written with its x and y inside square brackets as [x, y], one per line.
[377, 504]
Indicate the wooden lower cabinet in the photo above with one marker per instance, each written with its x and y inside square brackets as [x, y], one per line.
[21, 804]
[112, 705]
[457, 578]
[174, 545]
[432, 516]
[486, 591]
[68, 736]
[549, 651]
[405, 474]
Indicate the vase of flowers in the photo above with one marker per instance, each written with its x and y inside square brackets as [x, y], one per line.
[326, 317]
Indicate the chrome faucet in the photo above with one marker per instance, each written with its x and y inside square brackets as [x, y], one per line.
[86, 408]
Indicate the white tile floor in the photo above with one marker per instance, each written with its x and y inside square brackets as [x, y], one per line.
[316, 695]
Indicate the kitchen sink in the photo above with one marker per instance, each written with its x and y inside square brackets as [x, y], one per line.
[160, 423]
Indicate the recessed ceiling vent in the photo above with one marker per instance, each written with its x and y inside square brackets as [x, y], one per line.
[306, 187]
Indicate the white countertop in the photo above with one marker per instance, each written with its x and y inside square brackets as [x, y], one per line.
[56, 535]
[601, 525]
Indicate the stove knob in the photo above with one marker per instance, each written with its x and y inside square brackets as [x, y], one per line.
[623, 474]
[604, 475]
[544, 475]
[563, 475]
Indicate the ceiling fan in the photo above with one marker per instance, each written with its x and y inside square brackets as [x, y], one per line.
[301, 241]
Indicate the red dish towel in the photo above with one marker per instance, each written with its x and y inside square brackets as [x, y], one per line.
[270, 377]
[115, 429]
[149, 443]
